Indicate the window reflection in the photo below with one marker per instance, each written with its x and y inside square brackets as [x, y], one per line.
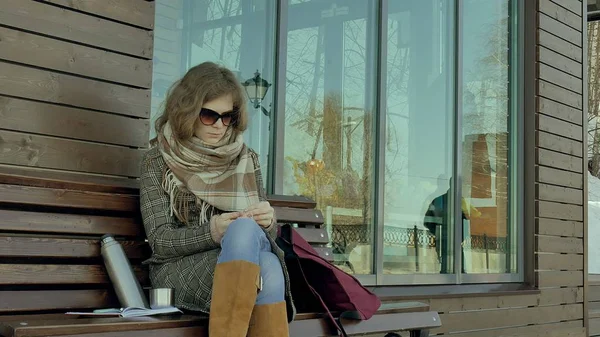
[593, 80]
[329, 103]
[489, 244]
[418, 228]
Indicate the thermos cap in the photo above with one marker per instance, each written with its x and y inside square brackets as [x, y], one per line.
[107, 238]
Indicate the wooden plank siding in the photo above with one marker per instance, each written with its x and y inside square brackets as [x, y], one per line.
[138, 13]
[75, 89]
[77, 27]
[560, 165]
[75, 102]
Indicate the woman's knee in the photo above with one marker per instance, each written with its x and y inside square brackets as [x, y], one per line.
[243, 230]
[243, 240]
[273, 282]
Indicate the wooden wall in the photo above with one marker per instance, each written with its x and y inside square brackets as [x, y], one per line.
[75, 79]
[561, 170]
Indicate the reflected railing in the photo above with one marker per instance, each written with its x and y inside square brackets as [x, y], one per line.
[486, 253]
[344, 235]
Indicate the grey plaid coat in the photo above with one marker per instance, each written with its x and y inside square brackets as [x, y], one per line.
[184, 256]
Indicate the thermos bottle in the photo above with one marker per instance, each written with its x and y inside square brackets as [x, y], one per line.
[121, 274]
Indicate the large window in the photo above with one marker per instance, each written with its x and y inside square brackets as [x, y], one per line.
[399, 117]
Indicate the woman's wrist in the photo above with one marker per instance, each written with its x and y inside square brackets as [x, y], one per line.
[214, 231]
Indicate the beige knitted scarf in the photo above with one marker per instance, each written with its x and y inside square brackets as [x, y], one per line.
[220, 175]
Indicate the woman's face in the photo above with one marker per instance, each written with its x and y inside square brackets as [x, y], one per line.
[212, 134]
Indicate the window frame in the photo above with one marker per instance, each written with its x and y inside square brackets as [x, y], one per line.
[516, 154]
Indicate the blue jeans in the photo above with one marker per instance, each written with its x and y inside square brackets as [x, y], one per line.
[245, 240]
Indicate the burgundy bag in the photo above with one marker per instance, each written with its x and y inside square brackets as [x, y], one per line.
[318, 285]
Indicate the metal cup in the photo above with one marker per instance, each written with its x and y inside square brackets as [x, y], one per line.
[161, 298]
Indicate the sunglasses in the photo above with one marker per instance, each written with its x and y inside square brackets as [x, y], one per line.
[210, 117]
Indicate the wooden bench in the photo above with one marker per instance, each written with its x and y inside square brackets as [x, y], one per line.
[307, 220]
[50, 263]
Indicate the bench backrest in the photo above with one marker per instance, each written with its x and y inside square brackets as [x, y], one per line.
[49, 241]
[308, 220]
[49, 244]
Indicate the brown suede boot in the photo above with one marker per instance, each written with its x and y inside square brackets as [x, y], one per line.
[269, 320]
[234, 292]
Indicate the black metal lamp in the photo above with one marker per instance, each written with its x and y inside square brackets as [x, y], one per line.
[256, 90]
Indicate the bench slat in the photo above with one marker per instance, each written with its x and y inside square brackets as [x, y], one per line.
[39, 196]
[325, 252]
[30, 274]
[314, 235]
[23, 221]
[394, 322]
[196, 331]
[5, 319]
[385, 308]
[300, 216]
[63, 248]
[377, 324]
[40, 300]
[83, 326]
[296, 201]
[70, 180]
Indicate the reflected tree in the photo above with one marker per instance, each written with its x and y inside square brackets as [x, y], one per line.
[593, 99]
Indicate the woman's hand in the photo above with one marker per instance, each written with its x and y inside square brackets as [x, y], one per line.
[262, 213]
[221, 222]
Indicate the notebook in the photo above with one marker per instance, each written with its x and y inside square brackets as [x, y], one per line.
[127, 312]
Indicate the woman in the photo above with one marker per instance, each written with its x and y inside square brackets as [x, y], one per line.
[204, 211]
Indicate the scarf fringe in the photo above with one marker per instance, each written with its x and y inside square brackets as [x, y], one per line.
[178, 205]
[204, 211]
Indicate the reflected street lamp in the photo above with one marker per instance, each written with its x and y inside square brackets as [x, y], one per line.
[256, 89]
